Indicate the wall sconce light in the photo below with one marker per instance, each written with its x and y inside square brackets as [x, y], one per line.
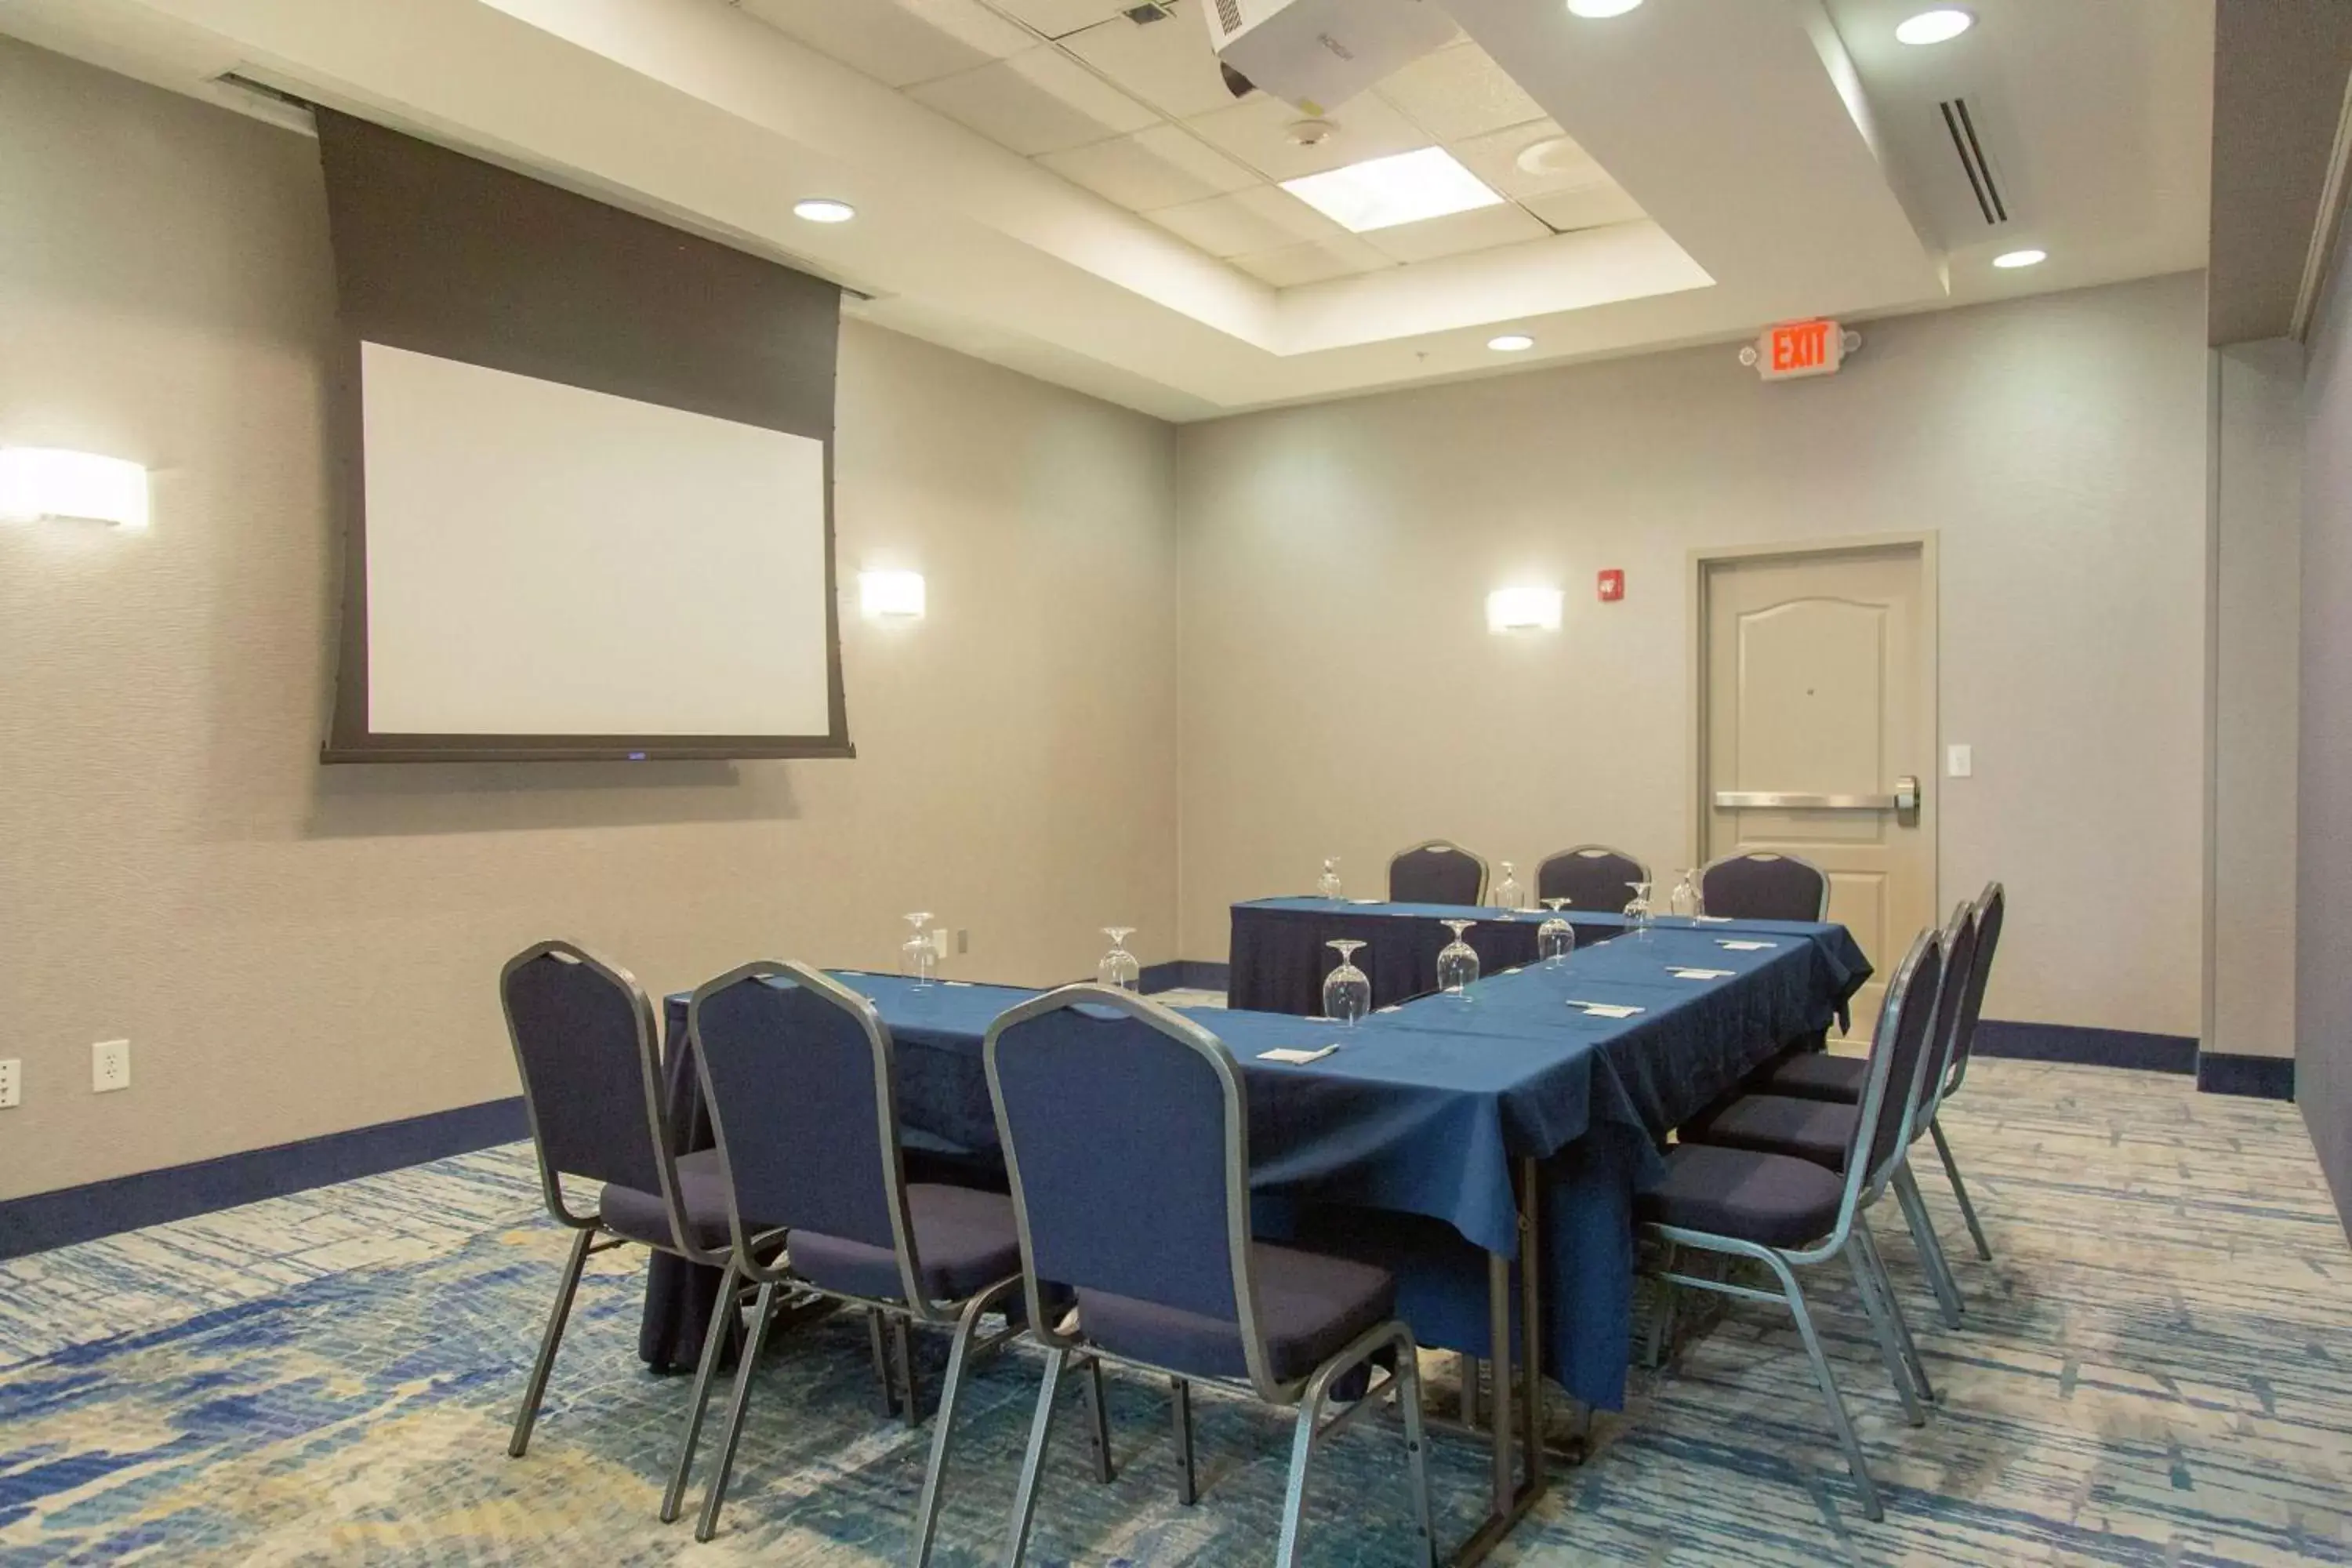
[1523, 609]
[39, 482]
[895, 594]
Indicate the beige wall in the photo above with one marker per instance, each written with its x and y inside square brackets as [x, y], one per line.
[295, 950]
[1342, 695]
[2255, 645]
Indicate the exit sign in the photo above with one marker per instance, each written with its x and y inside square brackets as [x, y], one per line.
[1800, 348]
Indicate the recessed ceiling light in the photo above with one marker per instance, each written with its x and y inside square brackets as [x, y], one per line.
[823, 209]
[2021, 258]
[1599, 10]
[1511, 343]
[1937, 26]
[1404, 187]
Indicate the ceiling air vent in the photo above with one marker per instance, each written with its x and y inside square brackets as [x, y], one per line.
[1962, 126]
[1229, 16]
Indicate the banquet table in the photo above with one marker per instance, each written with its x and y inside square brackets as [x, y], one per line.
[1427, 1136]
[1280, 948]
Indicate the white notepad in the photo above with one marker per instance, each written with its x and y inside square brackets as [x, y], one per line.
[1606, 1009]
[1744, 946]
[1712, 919]
[1701, 973]
[1296, 1058]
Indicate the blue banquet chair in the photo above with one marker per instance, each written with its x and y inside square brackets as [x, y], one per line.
[1168, 1276]
[1437, 872]
[1821, 1131]
[1815, 1075]
[1590, 877]
[588, 1051]
[797, 1073]
[1761, 885]
[1788, 1214]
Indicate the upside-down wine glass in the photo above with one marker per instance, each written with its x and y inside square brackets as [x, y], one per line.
[1327, 886]
[1555, 938]
[1347, 990]
[1684, 899]
[1457, 961]
[1638, 911]
[1508, 895]
[1119, 967]
[918, 959]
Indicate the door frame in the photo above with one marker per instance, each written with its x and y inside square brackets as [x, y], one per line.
[1704, 559]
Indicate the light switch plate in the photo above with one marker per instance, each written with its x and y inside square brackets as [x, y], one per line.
[1959, 760]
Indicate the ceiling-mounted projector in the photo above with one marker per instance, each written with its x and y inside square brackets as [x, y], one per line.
[1317, 54]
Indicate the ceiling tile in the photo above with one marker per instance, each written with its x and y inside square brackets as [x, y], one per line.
[1040, 102]
[1256, 131]
[1480, 229]
[1259, 219]
[1156, 168]
[1459, 93]
[1051, 17]
[1316, 261]
[897, 42]
[1168, 64]
[1592, 206]
[1527, 160]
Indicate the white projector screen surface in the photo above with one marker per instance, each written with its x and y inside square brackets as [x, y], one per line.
[543, 560]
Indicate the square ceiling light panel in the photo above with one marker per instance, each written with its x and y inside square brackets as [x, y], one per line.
[1404, 187]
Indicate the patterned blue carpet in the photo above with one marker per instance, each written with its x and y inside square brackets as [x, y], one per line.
[2158, 1369]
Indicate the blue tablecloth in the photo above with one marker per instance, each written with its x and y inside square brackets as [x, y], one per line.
[1400, 1145]
[1278, 957]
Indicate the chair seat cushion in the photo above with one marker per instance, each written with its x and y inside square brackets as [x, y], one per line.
[1820, 1131]
[1817, 1074]
[1772, 1199]
[964, 1238]
[702, 1190]
[1309, 1306]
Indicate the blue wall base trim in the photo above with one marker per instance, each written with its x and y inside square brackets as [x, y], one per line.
[44, 1220]
[1185, 974]
[2087, 1047]
[2262, 1077]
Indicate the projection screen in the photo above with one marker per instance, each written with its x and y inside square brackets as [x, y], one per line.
[588, 475]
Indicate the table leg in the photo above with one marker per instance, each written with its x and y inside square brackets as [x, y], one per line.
[1515, 1379]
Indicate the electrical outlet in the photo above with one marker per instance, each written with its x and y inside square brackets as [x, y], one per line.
[110, 1066]
[11, 1082]
[940, 940]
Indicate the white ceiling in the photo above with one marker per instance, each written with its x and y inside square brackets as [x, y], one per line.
[1051, 186]
[1137, 111]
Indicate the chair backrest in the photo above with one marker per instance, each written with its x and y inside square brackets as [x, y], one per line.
[1126, 1133]
[1898, 1053]
[1986, 915]
[797, 1075]
[588, 1052]
[1761, 885]
[1959, 967]
[1590, 876]
[1437, 872]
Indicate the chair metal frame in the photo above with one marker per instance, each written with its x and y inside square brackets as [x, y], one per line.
[1582, 849]
[1485, 871]
[1850, 1236]
[591, 1235]
[1820, 913]
[754, 1262]
[1991, 904]
[1308, 1393]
